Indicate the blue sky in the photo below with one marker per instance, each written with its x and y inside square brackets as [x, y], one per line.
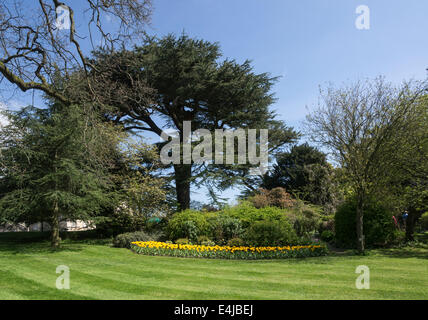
[306, 42]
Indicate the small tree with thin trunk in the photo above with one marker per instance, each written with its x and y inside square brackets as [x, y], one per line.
[358, 124]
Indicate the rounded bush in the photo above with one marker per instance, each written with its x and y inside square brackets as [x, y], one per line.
[208, 243]
[224, 228]
[202, 239]
[236, 242]
[182, 241]
[270, 233]
[124, 240]
[377, 224]
[327, 236]
[187, 224]
[277, 197]
[248, 214]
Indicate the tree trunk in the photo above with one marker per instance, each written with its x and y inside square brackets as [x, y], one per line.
[410, 224]
[183, 174]
[360, 227]
[55, 240]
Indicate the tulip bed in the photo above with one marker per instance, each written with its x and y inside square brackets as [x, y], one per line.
[226, 252]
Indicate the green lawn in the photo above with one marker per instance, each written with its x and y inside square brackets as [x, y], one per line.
[98, 271]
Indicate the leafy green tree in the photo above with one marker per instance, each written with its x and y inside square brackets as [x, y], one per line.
[305, 173]
[407, 188]
[54, 165]
[144, 193]
[168, 81]
[358, 124]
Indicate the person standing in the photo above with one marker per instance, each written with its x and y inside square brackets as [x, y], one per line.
[405, 215]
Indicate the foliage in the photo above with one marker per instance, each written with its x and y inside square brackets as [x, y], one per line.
[407, 187]
[305, 173]
[270, 233]
[327, 236]
[327, 223]
[207, 243]
[227, 252]
[191, 82]
[224, 227]
[118, 222]
[248, 214]
[264, 226]
[379, 224]
[236, 242]
[187, 224]
[305, 221]
[424, 221]
[143, 195]
[277, 197]
[55, 164]
[124, 240]
[202, 239]
[360, 125]
[182, 241]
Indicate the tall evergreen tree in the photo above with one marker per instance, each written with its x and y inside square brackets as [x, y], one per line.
[54, 166]
[175, 79]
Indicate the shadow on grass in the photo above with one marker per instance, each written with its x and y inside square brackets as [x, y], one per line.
[422, 237]
[38, 243]
[37, 248]
[406, 252]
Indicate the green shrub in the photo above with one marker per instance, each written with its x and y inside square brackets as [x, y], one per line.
[236, 242]
[208, 243]
[270, 233]
[327, 236]
[248, 214]
[182, 241]
[424, 221]
[377, 222]
[124, 240]
[305, 221]
[327, 223]
[276, 197]
[224, 228]
[187, 224]
[399, 237]
[202, 239]
[118, 222]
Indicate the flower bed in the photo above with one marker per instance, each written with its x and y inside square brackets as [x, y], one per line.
[225, 252]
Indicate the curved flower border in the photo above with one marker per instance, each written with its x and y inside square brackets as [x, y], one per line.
[226, 252]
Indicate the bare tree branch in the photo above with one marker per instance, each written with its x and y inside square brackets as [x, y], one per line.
[40, 42]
